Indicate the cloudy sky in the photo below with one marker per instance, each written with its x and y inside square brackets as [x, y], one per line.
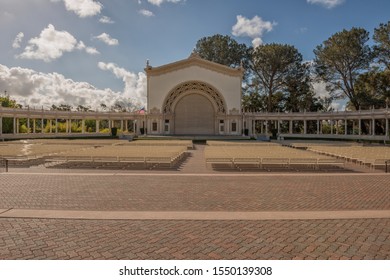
[90, 52]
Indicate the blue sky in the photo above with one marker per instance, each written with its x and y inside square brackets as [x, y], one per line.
[90, 52]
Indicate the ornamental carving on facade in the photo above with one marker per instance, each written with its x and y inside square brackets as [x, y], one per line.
[196, 87]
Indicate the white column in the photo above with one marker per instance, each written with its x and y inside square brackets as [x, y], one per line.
[28, 125]
[17, 126]
[34, 120]
[387, 127]
[331, 127]
[278, 126]
[290, 128]
[42, 126]
[318, 127]
[56, 129]
[162, 124]
[1, 125]
[97, 126]
[83, 126]
[122, 125]
[304, 126]
[360, 127]
[373, 126]
[346, 126]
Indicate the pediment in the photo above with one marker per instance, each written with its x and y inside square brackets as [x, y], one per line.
[194, 60]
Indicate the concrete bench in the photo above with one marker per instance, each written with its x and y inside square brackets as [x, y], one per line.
[330, 161]
[310, 162]
[379, 162]
[132, 159]
[247, 161]
[275, 161]
[220, 160]
[155, 161]
[105, 159]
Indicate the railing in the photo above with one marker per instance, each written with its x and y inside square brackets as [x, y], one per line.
[374, 113]
[32, 112]
[17, 112]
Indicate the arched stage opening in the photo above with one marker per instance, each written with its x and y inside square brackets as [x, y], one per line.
[194, 114]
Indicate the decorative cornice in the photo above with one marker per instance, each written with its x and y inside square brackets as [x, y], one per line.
[194, 86]
[194, 60]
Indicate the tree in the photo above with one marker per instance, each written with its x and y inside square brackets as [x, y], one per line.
[6, 101]
[373, 89]
[81, 108]
[341, 59]
[382, 47]
[222, 49]
[299, 95]
[276, 66]
[62, 107]
[252, 100]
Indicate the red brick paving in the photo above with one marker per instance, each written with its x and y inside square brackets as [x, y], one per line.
[195, 193]
[80, 239]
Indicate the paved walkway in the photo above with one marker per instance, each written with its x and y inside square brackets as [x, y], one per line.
[196, 162]
[193, 214]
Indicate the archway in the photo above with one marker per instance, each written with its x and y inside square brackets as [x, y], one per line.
[195, 105]
[194, 115]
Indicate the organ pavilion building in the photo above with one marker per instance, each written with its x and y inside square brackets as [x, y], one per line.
[194, 97]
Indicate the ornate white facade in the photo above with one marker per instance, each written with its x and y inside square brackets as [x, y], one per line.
[194, 97]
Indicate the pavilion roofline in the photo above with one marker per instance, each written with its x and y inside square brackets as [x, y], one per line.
[194, 60]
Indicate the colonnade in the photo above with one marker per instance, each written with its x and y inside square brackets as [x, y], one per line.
[41, 123]
[367, 124]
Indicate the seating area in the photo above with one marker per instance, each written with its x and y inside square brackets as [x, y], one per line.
[216, 156]
[373, 156]
[121, 156]
[94, 153]
[265, 156]
[370, 156]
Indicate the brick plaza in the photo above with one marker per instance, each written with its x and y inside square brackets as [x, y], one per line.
[193, 213]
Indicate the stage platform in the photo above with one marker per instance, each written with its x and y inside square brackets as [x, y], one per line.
[193, 137]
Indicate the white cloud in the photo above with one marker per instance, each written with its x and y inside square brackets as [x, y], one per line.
[320, 90]
[326, 3]
[135, 84]
[146, 13]
[106, 38]
[159, 2]
[89, 50]
[253, 28]
[38, 89]
[18, 40]
[105, 19]
[51, 45]
[257, 42]
[83, 8]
